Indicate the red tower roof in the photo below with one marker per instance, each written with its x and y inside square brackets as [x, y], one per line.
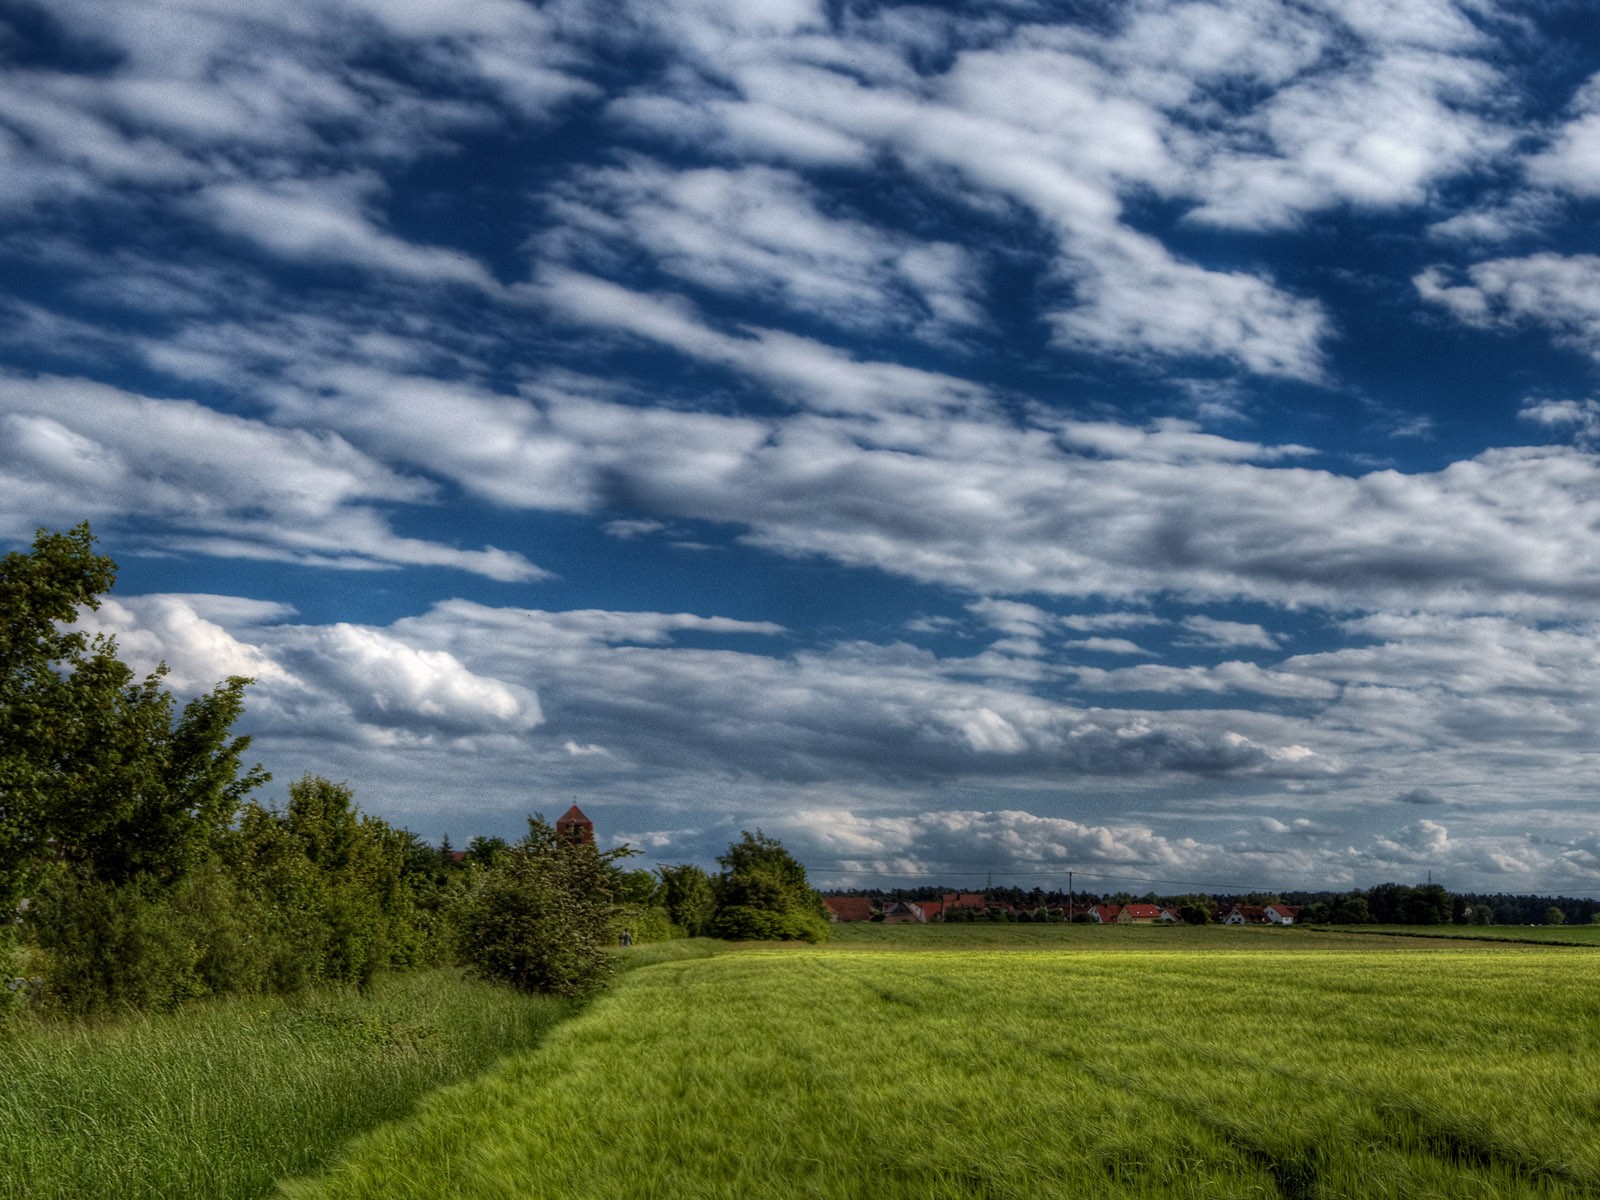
[573, 818]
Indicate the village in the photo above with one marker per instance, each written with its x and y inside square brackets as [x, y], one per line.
[974, 906]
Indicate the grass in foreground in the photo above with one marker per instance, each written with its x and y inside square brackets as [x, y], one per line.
[1448, 1071]
[221, 1100]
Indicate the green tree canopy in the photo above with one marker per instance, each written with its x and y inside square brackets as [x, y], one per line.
[687, 893]
[99, 769]
[540, 917]
[763, 894]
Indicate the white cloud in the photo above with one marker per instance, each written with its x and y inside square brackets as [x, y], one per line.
[761, 233]
[327, 220]
[1378, 135]
[1554, 291]
[973, 500]
[1212, 631]
[1105, 645]
[1579, 417]
[1571, 162]
[225, 485]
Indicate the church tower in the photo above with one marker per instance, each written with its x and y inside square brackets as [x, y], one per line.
[573, 819]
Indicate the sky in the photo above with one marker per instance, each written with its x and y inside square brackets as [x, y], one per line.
[979, 441]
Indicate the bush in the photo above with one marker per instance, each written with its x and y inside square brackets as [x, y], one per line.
[113, 946]
[541, 919]
[741, 923]
[644, 923]
[763, 894]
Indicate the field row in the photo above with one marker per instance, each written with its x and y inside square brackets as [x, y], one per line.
[1446, 1071]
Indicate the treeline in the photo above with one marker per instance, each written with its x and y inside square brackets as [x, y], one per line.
[137, 872]
[1384, 904]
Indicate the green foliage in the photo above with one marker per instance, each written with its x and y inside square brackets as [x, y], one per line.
[98, 769]
[1554, 916]
[687, 893]
[643, 923]
[762, 894]
[143, 944]
[1351, 910]
[338, 895]
[541, 919]
[487, 851]
[51, 686]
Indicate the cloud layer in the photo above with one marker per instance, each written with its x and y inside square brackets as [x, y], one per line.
[1161, 438]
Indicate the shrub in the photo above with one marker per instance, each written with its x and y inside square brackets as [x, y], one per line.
[763, 894]
[541, 918]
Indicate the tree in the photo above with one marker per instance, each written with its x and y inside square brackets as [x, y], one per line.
[762, 894]
[48, 682]
[691, 902]
[487, 851]
[1554, 916]
[1351, 910]
[98, 769]
[539, 918]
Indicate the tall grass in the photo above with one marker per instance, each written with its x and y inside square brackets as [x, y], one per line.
[222, 1099]
[1449, 1071]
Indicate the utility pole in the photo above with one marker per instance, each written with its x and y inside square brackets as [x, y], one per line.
[1069, 897]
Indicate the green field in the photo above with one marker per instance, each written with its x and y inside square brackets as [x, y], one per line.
[983, 935]
[1286, 1063]
[1555, 935]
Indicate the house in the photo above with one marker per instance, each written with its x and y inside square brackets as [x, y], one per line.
[848, 908]
[1246, 914]
[1282, 914]
[897, 912]
[573, 823]
[1105, 914]
[931, 910]
[973, 900]
[1138, 914]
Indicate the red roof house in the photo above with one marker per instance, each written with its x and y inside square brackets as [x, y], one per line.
[965, 900]
[848, 908]
[1138, 914]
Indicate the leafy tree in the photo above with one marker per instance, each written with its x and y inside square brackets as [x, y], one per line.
[97, 768]
[540, 918]
[640, 888]
[49, 685]
[1351, 910]
[762, 894]
[1429, 904]
[1554, 916]
[487, 851]
[691, 902]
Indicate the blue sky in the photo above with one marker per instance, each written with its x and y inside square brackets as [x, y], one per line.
[1151, 439]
